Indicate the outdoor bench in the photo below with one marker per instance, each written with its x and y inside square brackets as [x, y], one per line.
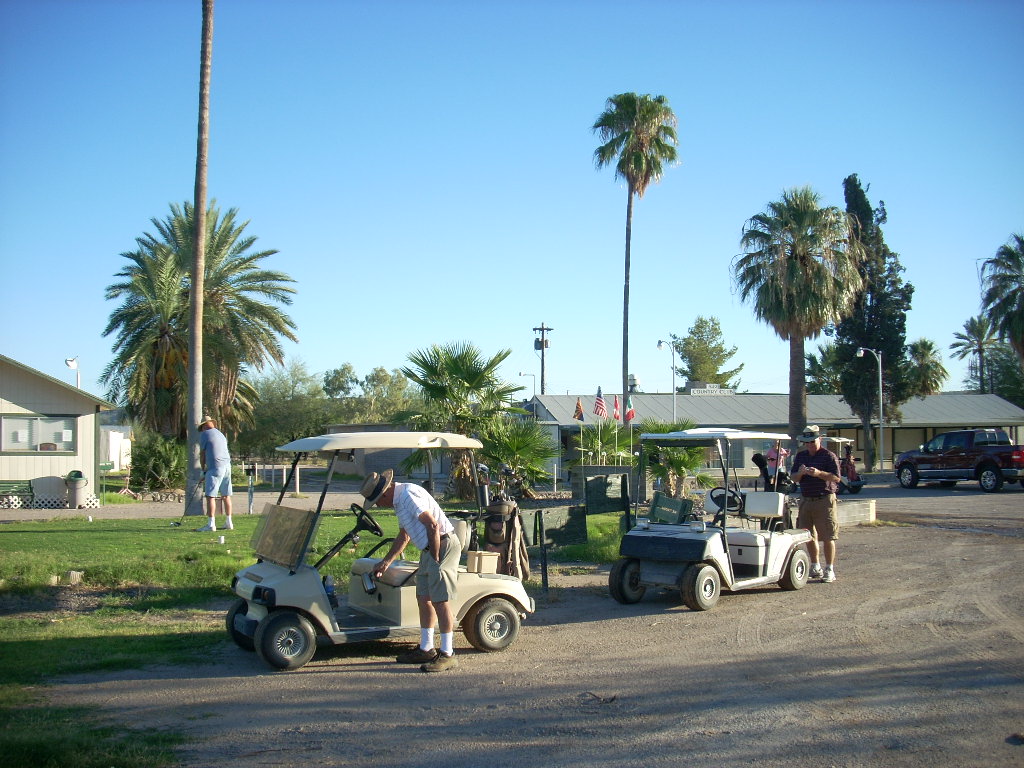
[15, 494]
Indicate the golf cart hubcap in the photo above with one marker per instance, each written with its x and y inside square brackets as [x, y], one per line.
[290, 643]
[496, 627]
[707, 588]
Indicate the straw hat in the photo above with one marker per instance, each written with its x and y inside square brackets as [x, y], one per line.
[374, 485]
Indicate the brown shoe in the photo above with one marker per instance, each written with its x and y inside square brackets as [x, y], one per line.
[442, 663]
[416, 656]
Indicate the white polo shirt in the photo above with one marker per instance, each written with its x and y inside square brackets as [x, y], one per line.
[410, 502]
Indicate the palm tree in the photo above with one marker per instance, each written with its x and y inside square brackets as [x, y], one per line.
[639, 136]
[521, 445]
[1004, 292]
[800, 269]
[241, 324]
[462, 392]
[927, 373]
[977, 339]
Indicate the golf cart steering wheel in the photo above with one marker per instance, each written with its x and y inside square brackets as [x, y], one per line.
[728, 500]
[366, 520]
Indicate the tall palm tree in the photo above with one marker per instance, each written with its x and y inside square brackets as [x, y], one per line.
[800, 270]
[977, 339]
[639, 135]
[927, 373]
[241, 326]
[1004, 292]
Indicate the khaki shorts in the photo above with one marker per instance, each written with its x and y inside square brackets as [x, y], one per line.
[819, 516]
[435, 580]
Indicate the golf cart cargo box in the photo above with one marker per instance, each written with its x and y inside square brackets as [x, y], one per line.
[482, 562]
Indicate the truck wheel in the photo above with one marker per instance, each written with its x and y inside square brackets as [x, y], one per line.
[990, 478]
[241, 640]
[907, 475]
[700, 586]
[797, 570]
[624, 582]
[491, 625]
[285, 640]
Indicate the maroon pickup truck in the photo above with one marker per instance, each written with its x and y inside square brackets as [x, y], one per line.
[985, 455]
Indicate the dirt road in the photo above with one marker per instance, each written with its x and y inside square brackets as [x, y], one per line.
[914, 657]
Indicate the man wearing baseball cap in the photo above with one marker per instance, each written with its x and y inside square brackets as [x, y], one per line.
[422, 522]
[817, 471]
[216, 463]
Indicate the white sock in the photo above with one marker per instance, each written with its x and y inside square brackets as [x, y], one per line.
[213, 524]
[427, 639]
[446, 643]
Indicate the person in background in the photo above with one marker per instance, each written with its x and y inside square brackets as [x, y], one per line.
[422, 521]
[817, 471]
[216, 463]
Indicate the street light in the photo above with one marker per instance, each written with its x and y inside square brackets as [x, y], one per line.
[672, 347]
[72, 363]
[534, 377]
[881, 417]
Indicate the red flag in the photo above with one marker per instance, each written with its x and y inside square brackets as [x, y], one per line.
[599, 407]
[578, 414]
[630, 413]
[615, 409]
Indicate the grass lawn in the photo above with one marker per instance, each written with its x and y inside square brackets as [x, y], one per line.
[156, 593]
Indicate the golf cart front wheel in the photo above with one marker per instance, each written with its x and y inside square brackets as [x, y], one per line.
[624, 582]
[491, 625]
[701, 587]
[242, 640]
[285, 640]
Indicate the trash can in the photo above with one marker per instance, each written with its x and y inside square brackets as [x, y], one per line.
[76, 482]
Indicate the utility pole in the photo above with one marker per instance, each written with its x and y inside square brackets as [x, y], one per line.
[542, 345]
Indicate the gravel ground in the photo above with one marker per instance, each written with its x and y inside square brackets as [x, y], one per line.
[912, 658]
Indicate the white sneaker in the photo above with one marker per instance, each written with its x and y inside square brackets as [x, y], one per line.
[228, 525]
[207, 528]
[830, 576]
[816, 571]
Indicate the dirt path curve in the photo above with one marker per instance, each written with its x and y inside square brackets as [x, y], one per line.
[914, 657]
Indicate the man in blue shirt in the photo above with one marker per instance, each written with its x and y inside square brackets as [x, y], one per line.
[216, 463]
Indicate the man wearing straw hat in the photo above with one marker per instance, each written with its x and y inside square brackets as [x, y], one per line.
[422, 521]
[216, 463]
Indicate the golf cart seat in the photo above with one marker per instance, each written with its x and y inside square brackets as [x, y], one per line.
[462, 531]
[764, 504]
[396, 575]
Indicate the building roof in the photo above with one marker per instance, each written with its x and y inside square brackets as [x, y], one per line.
[103, 404]
[944, 410]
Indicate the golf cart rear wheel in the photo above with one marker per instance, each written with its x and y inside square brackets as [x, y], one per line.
[797, 570]
[491, 625]
[285, 640]
[624, 582]
[241, 640]
[700, 586]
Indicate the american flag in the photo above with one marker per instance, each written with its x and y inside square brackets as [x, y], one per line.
[578, 413]
[615, 409]
[630, 413]
[599, 407]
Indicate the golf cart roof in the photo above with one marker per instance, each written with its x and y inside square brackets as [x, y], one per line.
[348, 441]
[708, 436]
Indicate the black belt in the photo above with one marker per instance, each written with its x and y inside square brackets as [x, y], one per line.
[819, 496]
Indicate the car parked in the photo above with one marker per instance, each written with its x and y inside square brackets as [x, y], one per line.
[984, 455]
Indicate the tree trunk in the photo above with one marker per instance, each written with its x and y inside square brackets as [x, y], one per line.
[869, 444]
[797, 389]
[194, 499]
[625, 307]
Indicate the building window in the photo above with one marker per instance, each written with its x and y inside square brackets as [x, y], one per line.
[35, 434]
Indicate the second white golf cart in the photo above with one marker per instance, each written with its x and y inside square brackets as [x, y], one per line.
[680, 550]
[285, 607]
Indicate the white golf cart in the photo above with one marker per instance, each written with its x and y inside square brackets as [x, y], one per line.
[673, 547]
[285, 607]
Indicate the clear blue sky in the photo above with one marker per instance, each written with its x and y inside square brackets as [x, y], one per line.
[425, 168]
